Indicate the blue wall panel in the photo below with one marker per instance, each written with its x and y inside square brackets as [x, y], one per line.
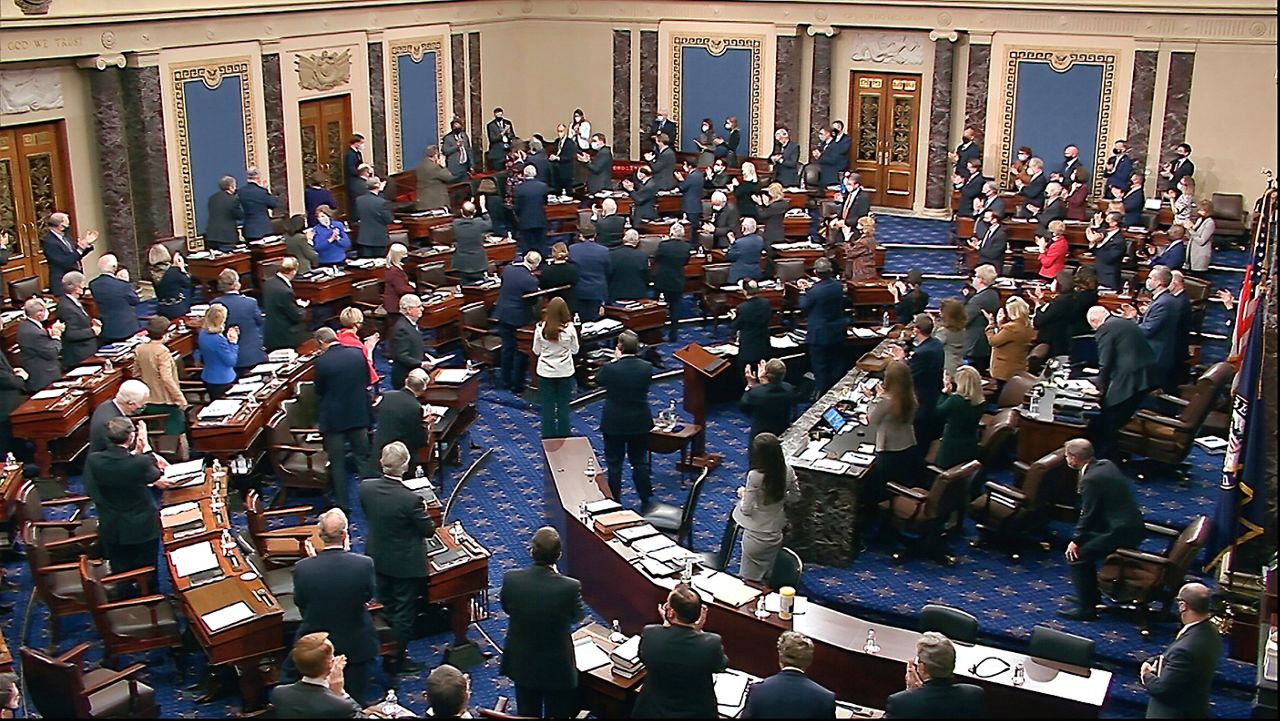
[714, 86]
[1054, 110]
[419, 105]
[215, 134]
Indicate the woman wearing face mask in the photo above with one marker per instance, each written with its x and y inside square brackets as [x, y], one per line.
[732, 138]
[1018, 170]
[1183, 200]
[706, 141]
[745, 190]
[330, 237]
[1201, 229]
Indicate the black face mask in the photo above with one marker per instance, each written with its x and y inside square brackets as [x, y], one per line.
[457, 128]
[1116, 151]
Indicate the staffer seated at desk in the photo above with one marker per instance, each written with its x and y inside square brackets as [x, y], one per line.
[893, 413]
[680, 659]
[321, 694]
[789, 693]
[219, 346]
[932, 691]
[769, 399]
[761, 507]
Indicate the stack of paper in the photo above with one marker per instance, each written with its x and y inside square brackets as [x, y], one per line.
[84, 371]
[46, 395]
[193, 559]
[731, 692]
[725, 588]
[227, 616]
[626, 658]
[452, 375]
[588, 656]
[219, 409]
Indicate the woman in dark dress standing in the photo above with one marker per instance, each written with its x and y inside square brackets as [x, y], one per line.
[732, 139]
[172, 283]
[558, 272]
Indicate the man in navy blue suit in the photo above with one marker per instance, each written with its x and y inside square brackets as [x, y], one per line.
[1118, 167]
[842, 145]
[1174, 255]
[822, 304]
[352, 159]
[662, 125]
[828, 157]
[1160, 323]
[64, 252]
[342, 380]
[512, 311]
[116, 300]
[539, 160]
[530, 205]
[256, 200]
[691, 186]
[926, 363]
[789, 693]
[593, 263]
[243, 312]
[744, 253]
[626, 420]
[1133, 200]
[1108, 252]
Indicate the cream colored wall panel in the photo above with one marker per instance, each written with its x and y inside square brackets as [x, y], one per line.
[1231, 123]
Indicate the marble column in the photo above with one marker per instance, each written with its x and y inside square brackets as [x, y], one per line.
[478, 140]
[273, 100]
[1141, 98]
[649, 87]
[377, 111]
[148, 158]
[111, 135]
[976, 85]
[1177, 100]
[820, 97]
[621, 140]
[786, 102]
[937, 188]
[458, 64]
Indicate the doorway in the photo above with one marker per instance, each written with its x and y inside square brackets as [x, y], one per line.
[884, 114]
[326, 128]
[34, 183]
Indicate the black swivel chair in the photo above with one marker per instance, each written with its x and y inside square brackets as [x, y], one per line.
[787, 570]
[950, 622]
[1054, 645]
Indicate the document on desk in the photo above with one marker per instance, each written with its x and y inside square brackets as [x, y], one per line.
[46, 395]
[221, 408]
[866, 333]
[193, 559]
[185, 475]
[725, 588]
[452, 375]
[651, 544]
[188, 514]
[587, 656]
[227, 616]
[731, 691]
[84, 371]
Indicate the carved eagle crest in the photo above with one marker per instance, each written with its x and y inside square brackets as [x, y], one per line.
[323, 71]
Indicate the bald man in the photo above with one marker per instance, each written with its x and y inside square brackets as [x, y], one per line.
[1178, 680]
[469, 259]
[1125, 367]
[116, 300]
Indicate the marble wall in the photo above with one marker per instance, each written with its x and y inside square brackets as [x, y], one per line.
[377, 111]
[648, 82]
[620, 139]
[111, 129]
[277, 167]
[976, 86]
[938, 186]
[149, 169]
[820, 98]
[1141, 99]
[478, 141]
[786, 99]
[1177, 101]
[458, 63]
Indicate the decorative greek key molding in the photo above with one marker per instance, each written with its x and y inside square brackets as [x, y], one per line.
[717, 45]
[414, 49]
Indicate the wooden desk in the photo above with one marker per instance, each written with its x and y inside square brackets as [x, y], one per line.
[430, 255]
[500, 251]
[808, 254]
[57, 426]
[204, 267]
[260, 254]
[241, 434]
[457, 586]
[486, 294]
[453, 395]
[600, 689]
[773, 292]
[323, 289]
[419, 226]
[614, 588]
[645, 316]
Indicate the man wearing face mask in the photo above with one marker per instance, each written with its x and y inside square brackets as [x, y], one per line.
[786, 159]
[1160, 323]
[1018, 170]
[662, 125]
[599, 165]
[561, 156]
[1180, 167]
[706, 141]
[843, 144]
[457, 151]
[827, 155]
[968, 150]
[1118, 168]
[1073, 177]
[720, 177]
[352, 159]
[500, 132]
[663, 161]
[644, 195]
[723, 222]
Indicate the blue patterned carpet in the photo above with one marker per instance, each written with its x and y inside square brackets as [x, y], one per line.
[502, 505]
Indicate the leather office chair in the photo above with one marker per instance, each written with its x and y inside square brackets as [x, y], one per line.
[430, 277]
[1165, 439]
[649, 245]
[950, 622]
[676, 521]
[30, 511]
[22, 289]
[1053, 645]
[367, 296]
[788, 270]
[304, 409]
[997, 431]
[1136, 579]
[923, 518]
[298, 463]
[1230, 215]
[1037, 357]
[718, 559]
[479, 345]
[64, 687]
[57, 584]
[714, 299]
[787, 570]
[395, 236]
[282, 545]
[132, 625]
[1016, 515]
[810, 172]
[1014, 392]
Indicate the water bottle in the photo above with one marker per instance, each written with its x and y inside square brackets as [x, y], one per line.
[1019, 674]
[582, 511]
[390, 702]
[761, 611]
[1126, 289]
[616, 635]
[10, 460]
[686, 574]
[671, 413]
[577, 319]
[871, 646]
[884, 320]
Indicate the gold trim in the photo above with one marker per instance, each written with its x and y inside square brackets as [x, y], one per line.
[415, 49]
[716, 45]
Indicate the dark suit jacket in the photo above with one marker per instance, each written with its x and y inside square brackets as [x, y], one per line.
[789, 694]
[842, 146]
[592, 260]
[342, 374]
[307, 700]
[1124, 358]
[1054, 210]
[994, 243]
[400, 419]
[468, 245]
[1107, 258]
[373, 215]
[975, 343]
[125, 502]
[829, 165]
[331, 590]
[407, 348]
[628, 273]
[11, 388]
[752, 324]
[1055, 322]
[543, 165]
[1181, 688]
[937, 698]
[770, 407]
[856, 204]
[823, 309]
[680, 662]
[668, 126]
[669, 262]
[63, 258]
[644, 201]
[744, 255]
[220, 227]
[497, 147]
[1173, 257]
[725, 221]
[600, 170]
[1033, 190]
[609, 230]
[542, 607]
[926, 363]
[787, 170]
[1109, 516]
[970, 191]
[774, 217]
[1181, 170]
[352, 159]
[530, 203]
[453, 146]
[256, 201]
[964, 153]
[691, 201]
[664, 169]
[398, 525]
[1133, 202]
[243, 311]
[285, 326]
[1161, 324]
[78, 339]
[40, 354]
[1118, 177]
[116, 300]
[626, 383]
[511, 307]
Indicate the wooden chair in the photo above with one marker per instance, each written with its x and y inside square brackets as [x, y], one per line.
[298, 463]
[922, 519]
[1165, 438]
[132, 625]
[1019, 515]
[57, 585]
[281, 546]
[714, 300]
[1135, 579]
[64, 687]
[479, 345]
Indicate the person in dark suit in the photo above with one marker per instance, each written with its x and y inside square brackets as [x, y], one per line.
[790, 693]
[680, 658]
[13, 383]
[1055, 208]
[256, 201]
[373, 215]
[822, 304]
[909, 296]
[225, 213]
[469, 258]
[433, 179]
[1133, 200]
[128, 401]
[1179, 680]
[691, 186]
[662, 125]
[828, 157]
[593, 262]
[771, 212]
[500, 133]
[530, 206]
[1118, 168]
[751, 321]
[769, 400]
[316, 194]
[400, 418]
[1109, 519]
[64, 253]
[965, 153]
[352, 178]
[128, 524]
[644, 195]
[115, 299]
[39, 347]
[243, 313]
[1125, 360]
[542, 607]
[456, 147]
[669, 261]
[723, 222]
[407, 347]
[855, 204]
[663, 162]
[627, 420]
[1174, 255]
[332, 589]
[970, 188]
[628, 270]
[744, 253]
[1180, 167]
[992, 201]
[992, 244]
[537, 158]
[561, 154]
[1109, 252]
[927, 360]
[396, 539]
[599, 165]
[609, 225]
[1054, 319]
[80, 331]
[985, 298]
[932, 691]
[513, 311]
[785, 158]
[321, 693]
[1160, 322]
[285, 324]
[1032, 190]
[341, 381]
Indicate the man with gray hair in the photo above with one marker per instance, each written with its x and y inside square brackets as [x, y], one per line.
[63, 251]
[40, 347]
[286, 321]
[669, 261]
[407, 348]
[1161, 323]
[373, 215]
[128, 526]
[80, 330]
[332, 589]
[932, 691]
[744, 253]
[529, 203]
[116, 300]
[256, 201]
[224, 214]
[469, 259]
[984, 300]
[128, 401]
[1179, 680]
[1125, 361]
[398, 528]
[609, 225]
[723, 222]
[1055, 208]
[628, 269]
[400, 418]
[790, 693]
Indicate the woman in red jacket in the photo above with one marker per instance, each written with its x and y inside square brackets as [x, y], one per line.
[1053, 252]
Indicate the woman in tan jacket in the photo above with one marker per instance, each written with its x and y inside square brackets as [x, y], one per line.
[1012, 341]
[159, 371]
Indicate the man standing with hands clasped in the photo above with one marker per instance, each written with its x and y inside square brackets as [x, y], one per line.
[1178, 680]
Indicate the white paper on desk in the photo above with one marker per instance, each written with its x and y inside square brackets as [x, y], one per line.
[244, 388]
[672, 554]
[193, 559]
[731, 689]
[782, 341]
[857, 459]
[452, 375]
[831, 466]
[84, 371]
[47, 394]
[866, 333]
[178, 508]
[723, 349]
[652, 543]
[180, 470]
[437, 411]
[265, 368]
[221, 408]
[588, 656]
[224, 617]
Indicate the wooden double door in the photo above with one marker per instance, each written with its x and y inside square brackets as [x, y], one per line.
[884, 116]
[326, 128]
[35, 182]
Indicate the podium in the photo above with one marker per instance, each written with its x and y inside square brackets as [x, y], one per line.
[700, 366]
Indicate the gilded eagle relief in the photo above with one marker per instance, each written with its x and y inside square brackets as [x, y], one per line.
[323, 71]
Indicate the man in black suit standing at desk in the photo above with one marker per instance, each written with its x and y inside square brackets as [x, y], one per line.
[500, 132]
[751, 321]
[407, 348]
[285, 322]
[932, 691]
[599, 166]
[373, 215]
[321, 694]
[628, 270]
[64, 253]
[400, 417]
[680, 658]
[398, 529]
[341, 381]
[769, 400]
[352, 159]
[128, 526]
[512, 311]
[627, 420]
[225, 212]
[926, 363]
[80, 331]
[790, 693]
[1109, 519]
[116, 299]
[542, 607]
[977, 351]
[1124, 361]
[530, 206]
[1179, 680]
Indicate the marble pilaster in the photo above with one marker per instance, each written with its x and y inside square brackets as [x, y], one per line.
[648, 84]
[786, 103]
[976, 85]
[1141, 99]
[277, 166]
[111, 134]
[377, 112]
[148, 158]
[1177, 100]
[458, 63]
[621, 138]
[820, 97]
[478, 120]
[937, 188]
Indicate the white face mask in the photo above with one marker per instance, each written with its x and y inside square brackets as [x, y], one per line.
[323, 219]
[718, 168]
[1151, 284]
[728, 126]
[596, 145]
[662, 118]
[1023, 157]
[706, 128]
